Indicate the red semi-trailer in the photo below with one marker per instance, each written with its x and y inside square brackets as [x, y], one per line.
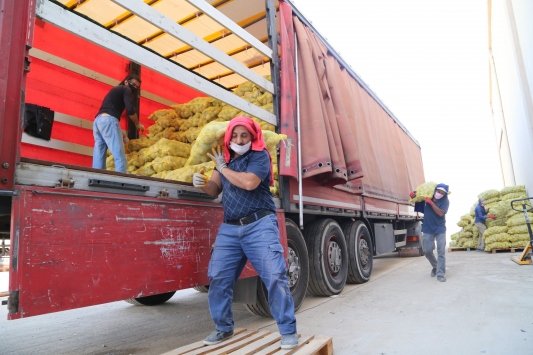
[80, 236]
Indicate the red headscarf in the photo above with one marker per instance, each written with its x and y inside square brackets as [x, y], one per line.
[258, 143]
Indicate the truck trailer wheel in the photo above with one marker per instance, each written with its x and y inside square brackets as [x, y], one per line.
[328, 257]
[359, 251]
[153, 300]
[297, 273]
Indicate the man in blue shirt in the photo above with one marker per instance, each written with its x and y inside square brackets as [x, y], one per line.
[249, 232]
[480, 219]
[434, 229]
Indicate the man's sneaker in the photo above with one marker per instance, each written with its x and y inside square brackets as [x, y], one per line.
[217, 336]
[433, 272]
[441, 278]
[289, 341]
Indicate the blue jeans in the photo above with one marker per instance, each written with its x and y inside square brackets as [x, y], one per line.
[259, 243]
[107, 134]
[428, 245]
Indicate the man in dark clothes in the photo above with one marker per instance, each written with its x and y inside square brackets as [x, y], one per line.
[480, 220]
[106, 127]
[434, 229]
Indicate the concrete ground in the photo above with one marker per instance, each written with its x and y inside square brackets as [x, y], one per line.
[485, 307]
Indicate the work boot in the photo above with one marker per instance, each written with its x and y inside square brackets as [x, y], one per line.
[217, 336]
[433, 272]
[441, 278]
[289, 341]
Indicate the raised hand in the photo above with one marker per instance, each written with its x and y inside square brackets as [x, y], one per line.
[218, 158]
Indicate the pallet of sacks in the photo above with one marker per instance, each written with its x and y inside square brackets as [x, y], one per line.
[508, 231]
[177, 143]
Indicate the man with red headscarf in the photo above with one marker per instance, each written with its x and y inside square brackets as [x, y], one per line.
[249, 232]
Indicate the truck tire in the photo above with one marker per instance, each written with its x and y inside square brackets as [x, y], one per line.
[297, 263]
[328, 257]
[360, 251]
[297, 273]
[152, 300]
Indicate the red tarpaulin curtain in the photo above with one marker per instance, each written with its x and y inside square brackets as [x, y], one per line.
[348, 139]
[288, 165]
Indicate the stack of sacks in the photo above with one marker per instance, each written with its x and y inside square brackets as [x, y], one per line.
[507, 230]
[176, 145]
[496, 237]
[468, 236]
[515, 220]
[455, 240]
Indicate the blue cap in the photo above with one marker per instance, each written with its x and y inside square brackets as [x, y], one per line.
[442, 187]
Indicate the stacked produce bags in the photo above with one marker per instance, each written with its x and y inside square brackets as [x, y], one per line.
[507, 230]
[176, 145]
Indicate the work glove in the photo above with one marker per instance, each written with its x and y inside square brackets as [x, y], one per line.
[218, 158]
[428, 200]
[491, 216]
[199, 180]
[412, 194]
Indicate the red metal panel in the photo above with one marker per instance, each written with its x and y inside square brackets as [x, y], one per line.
[15, 32]
[59, 156]
[64, 91]
[79, 250]
[380, 206]
[71, 93]
[324, 195]
[73, 248]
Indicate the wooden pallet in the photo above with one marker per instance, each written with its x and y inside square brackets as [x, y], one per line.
[461, 249]
[506, 250]
[260, 342]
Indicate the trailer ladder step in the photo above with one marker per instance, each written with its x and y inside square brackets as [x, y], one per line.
[254, 342]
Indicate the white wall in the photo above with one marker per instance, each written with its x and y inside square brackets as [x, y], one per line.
[512, 87]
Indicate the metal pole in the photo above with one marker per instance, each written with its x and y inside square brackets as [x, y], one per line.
[300, 183]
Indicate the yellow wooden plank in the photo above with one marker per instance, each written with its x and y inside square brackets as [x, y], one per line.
[198, 347]
[235, 346]
[318, 345]
[276, 347]
[262, 342]
[259, 345]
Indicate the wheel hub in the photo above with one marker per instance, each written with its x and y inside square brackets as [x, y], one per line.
[293, 270]
[363, 251]
[334, 256]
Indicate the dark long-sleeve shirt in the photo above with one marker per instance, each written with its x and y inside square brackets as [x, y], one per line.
[117, 99]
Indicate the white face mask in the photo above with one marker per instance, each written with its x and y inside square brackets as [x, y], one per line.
[240, 149]
[438, 195]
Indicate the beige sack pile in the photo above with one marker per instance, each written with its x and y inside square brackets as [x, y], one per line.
[175, 146]
[507, 230]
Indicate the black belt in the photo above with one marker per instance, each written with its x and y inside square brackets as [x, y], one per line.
[250, 218]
